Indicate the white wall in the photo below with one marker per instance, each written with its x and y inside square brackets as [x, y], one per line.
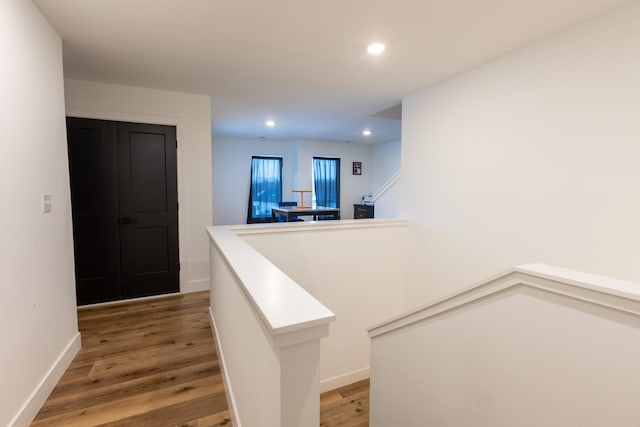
[232, 169]
[352, 187]
[191, 114]
[390, 203]
[231, 160]
[356, 268]
[530, 158]
[385, 163]
[39, 328]
[537, 347]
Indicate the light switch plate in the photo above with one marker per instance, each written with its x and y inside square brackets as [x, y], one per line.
[46, 202]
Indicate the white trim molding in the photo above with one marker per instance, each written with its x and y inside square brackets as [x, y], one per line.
[32, 406]
[599, 290]
[387, 185]
[195, 286]
[344, 380]
[316, 226]
[292, 310]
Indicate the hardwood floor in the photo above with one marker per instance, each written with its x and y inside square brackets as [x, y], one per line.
[346, 407]
[149, 362]
[154, 363]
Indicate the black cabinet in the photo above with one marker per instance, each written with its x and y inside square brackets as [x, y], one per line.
[362, 211]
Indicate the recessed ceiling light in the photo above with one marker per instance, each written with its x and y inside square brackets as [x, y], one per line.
[270, 123]
[375, 48]
[366, 132]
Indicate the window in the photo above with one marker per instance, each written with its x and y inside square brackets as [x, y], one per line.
[266, 188]
[326, 182]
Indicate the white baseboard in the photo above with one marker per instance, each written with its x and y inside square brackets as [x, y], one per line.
[228, 390]
[32, 406]
[195, 286]
[345, 379]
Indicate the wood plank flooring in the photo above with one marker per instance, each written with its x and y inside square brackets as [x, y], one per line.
[154, 363]
[346, 407]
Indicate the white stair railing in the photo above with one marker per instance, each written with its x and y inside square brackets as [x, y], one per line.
[386, 186]
[537, 346]
[268, 332]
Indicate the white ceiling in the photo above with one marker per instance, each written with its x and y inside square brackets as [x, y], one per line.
[302, 63]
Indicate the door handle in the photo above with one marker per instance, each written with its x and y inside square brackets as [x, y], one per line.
[127, 220]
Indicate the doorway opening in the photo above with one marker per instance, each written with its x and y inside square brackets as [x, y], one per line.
[124, 199]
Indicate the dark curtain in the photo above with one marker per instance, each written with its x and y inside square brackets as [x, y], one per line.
[326, 181]
[266, 188]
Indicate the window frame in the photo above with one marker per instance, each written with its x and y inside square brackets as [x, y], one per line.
[313, 175]
[251, 219]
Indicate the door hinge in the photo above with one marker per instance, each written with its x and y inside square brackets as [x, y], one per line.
[178, 266]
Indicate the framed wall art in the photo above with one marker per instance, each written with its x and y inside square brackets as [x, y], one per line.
[357, 168]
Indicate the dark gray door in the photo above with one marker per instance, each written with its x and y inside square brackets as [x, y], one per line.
[125, 210]
[147, 185]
